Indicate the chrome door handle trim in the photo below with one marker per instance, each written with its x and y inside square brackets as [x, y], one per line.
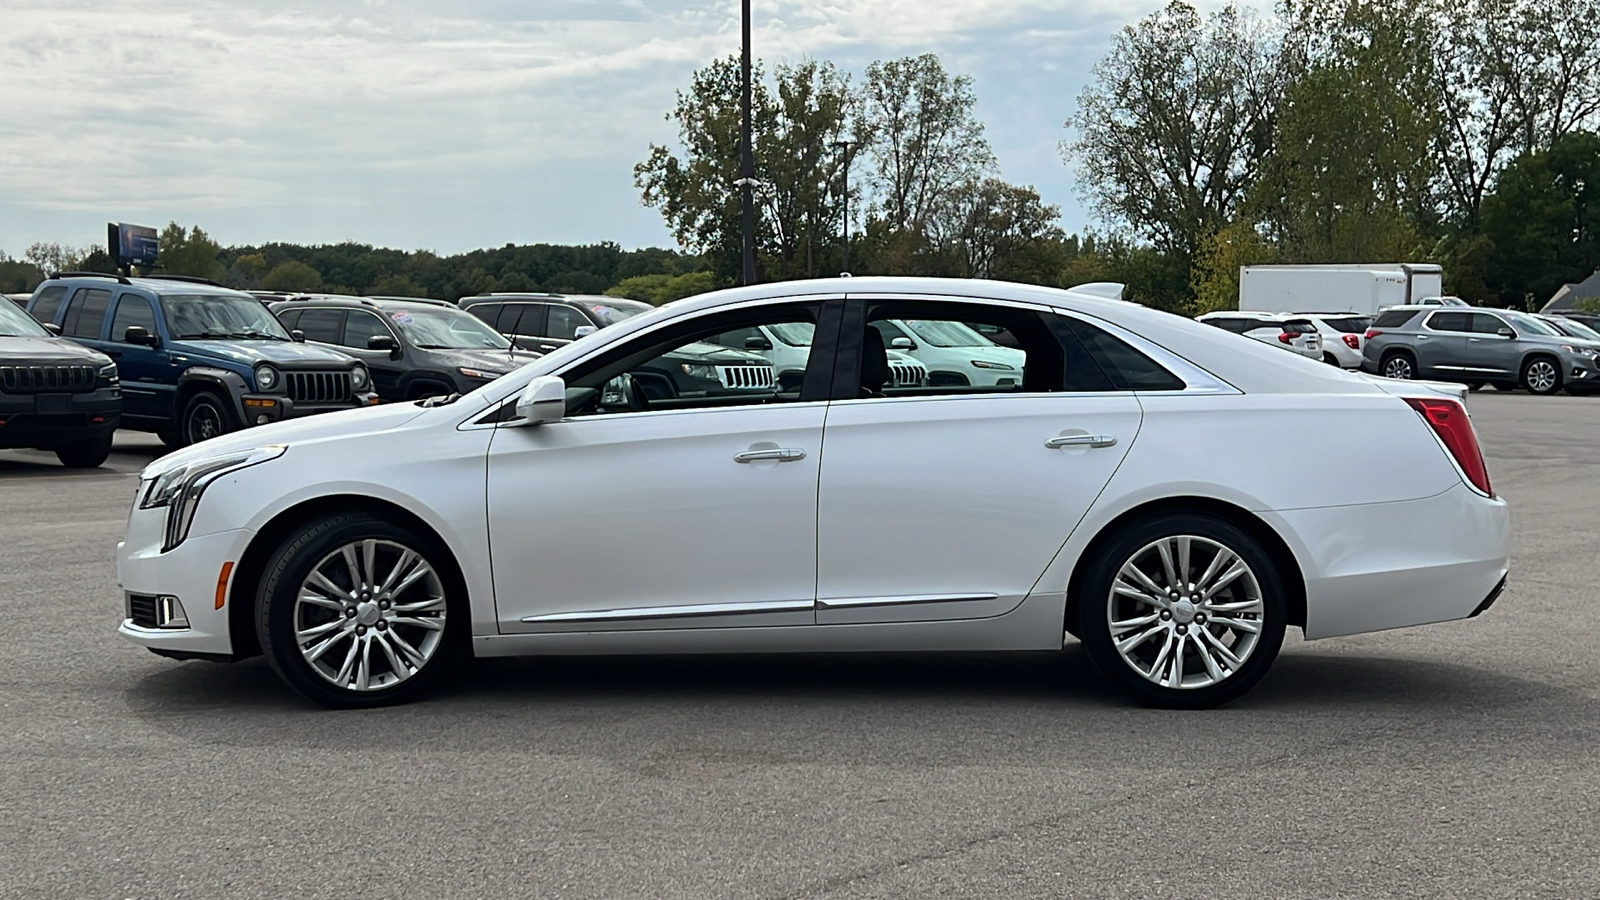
[786, 454]
[1080, 440]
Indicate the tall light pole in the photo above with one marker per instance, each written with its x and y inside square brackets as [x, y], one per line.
[844, 146]
[747, 161]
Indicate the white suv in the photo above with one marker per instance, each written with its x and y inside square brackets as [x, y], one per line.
[1343, 337]
[953, 353]
[1296, 333]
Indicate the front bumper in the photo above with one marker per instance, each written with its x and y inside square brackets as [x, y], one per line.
[54, 420]
[189, 572]
[263, 409]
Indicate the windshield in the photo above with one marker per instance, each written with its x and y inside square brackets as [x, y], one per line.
[220, 316]
[795, 334]
[946, 334]
[16, 323]
[442, 328]
[1529, 323]
[610, 312]
[1576, 329]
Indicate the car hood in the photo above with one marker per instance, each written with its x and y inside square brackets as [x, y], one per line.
[1009, 355]
[493, 360]
[702, 352]
[363, 420]
[31, 350]
[283, 353]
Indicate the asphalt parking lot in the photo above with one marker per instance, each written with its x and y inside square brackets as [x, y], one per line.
[1458, 760]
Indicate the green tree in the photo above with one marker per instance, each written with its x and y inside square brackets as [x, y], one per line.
[402, 286]
[17, 276]
[659, 288]
[990, 229]
[1177, 122]
[1214, 277]
[189, 253]
[291, 276]
[1543, 220]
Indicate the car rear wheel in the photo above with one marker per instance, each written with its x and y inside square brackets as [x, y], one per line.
[1541, 375]
[85, 454]
[1330, 359]
[1474, 385]
[204, 417]
[356, 611]
[1183, 611]
[1399, 365]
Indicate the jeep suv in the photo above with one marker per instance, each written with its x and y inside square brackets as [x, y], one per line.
[197, 359]
[414, 348]
[1477, 347]
[54, 394]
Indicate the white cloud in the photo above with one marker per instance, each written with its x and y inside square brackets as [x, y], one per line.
[447, 125]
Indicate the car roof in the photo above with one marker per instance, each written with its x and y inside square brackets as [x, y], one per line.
[156, 284]
[348, 301]
[1246, 314]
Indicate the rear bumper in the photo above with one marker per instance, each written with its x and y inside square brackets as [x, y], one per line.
[1392, 565]
[27, 420]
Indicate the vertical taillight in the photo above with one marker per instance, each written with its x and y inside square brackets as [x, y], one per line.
[1285, 338]
[1353, 342]
[1449, 421]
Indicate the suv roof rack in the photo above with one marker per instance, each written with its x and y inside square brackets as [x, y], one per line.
[434, 301]
[191, 279]
[119, 278]
[518, 294]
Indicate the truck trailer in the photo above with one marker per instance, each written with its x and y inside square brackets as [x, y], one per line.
[1362, 289]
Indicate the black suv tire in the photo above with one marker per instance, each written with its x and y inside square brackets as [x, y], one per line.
[204, 416]
[88, 453]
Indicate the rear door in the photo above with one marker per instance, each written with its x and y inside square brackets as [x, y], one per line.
[524, 323]
[949, 502]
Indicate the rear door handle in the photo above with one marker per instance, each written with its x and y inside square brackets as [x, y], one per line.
[1080, 440]
[781, 454]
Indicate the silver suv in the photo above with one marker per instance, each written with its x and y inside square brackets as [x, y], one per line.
[1478, 347]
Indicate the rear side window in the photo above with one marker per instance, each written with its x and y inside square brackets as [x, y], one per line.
[132, 310]
[1299, 326]
[1394, 318]
[522, 318]
[1348, 324]
[44, 309]
[1127, 368]
[86, 312]
[322, 325]
[1235, 325]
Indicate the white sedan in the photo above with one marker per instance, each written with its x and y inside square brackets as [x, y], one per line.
[1142, 486]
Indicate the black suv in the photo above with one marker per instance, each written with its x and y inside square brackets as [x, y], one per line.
[415, 348]
[54, 394]
[198, 359]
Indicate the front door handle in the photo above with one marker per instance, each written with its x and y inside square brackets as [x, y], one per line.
[781, 454]
[1080, 440]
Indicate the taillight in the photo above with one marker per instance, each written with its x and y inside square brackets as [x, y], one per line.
[1285, 338]
[1351, 341]
[1372, 333]
[1449, 421]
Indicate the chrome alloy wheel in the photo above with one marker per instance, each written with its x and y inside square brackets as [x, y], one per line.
[370, 615]
[1185, 612]
[1541, 376]
[1398, 367]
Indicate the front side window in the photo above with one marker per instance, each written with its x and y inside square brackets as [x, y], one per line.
[689, 367]
[219, 317]
[564, 323]
[360, 327]
[44, 309]
[132, 310]
[86, 312]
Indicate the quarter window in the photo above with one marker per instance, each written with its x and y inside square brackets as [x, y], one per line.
[1125, 367]
[86, 313]
[132, 310]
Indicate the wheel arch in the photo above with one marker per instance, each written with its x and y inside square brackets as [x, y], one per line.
[229, 387]
[410, 386]
[244, 586]
[1288, 566]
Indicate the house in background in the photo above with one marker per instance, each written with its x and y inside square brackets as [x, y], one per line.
[1568, 296]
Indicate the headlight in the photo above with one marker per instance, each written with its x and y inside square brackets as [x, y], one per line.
[486, 374]
[360, 378]
[108, 373]
[985, 364]
[707, 373]
[267, 378]
[179, 489]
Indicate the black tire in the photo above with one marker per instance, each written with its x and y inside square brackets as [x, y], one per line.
[1474, 385]
[422, 390]
[1542, 375]
[170, 437]
[89, 453]
[1097, 605]
[205, 416]
[1398, 364]
[279, 613]
[1331, 360]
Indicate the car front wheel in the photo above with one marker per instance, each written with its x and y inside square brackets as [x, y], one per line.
[1183, 611]
[356, 611]
[1541, 375]
[204, 418]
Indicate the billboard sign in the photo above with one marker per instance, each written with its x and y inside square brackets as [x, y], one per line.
[131, 245]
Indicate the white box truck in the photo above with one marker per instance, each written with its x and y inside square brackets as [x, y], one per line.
[1362, 289]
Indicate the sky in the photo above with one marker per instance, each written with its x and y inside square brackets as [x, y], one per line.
[449, 126]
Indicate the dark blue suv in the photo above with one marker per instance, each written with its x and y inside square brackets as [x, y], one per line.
[197, 359]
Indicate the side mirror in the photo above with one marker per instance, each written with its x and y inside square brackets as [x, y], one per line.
[757, 342]
[583, 331]
[543, 400]
[384, 342]
[52, 327]
[1506, 332]
[138, 334]
[298, 336]
[902, 343]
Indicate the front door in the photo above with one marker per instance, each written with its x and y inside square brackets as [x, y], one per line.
[147, 389]
[690, 510]
[1441, 345]
[1491, 352]
[361, 326]
[950, 502]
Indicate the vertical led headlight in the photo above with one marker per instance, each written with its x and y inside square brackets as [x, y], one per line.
[180, 489]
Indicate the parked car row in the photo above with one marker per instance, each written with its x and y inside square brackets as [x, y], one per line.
[1479, 347]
